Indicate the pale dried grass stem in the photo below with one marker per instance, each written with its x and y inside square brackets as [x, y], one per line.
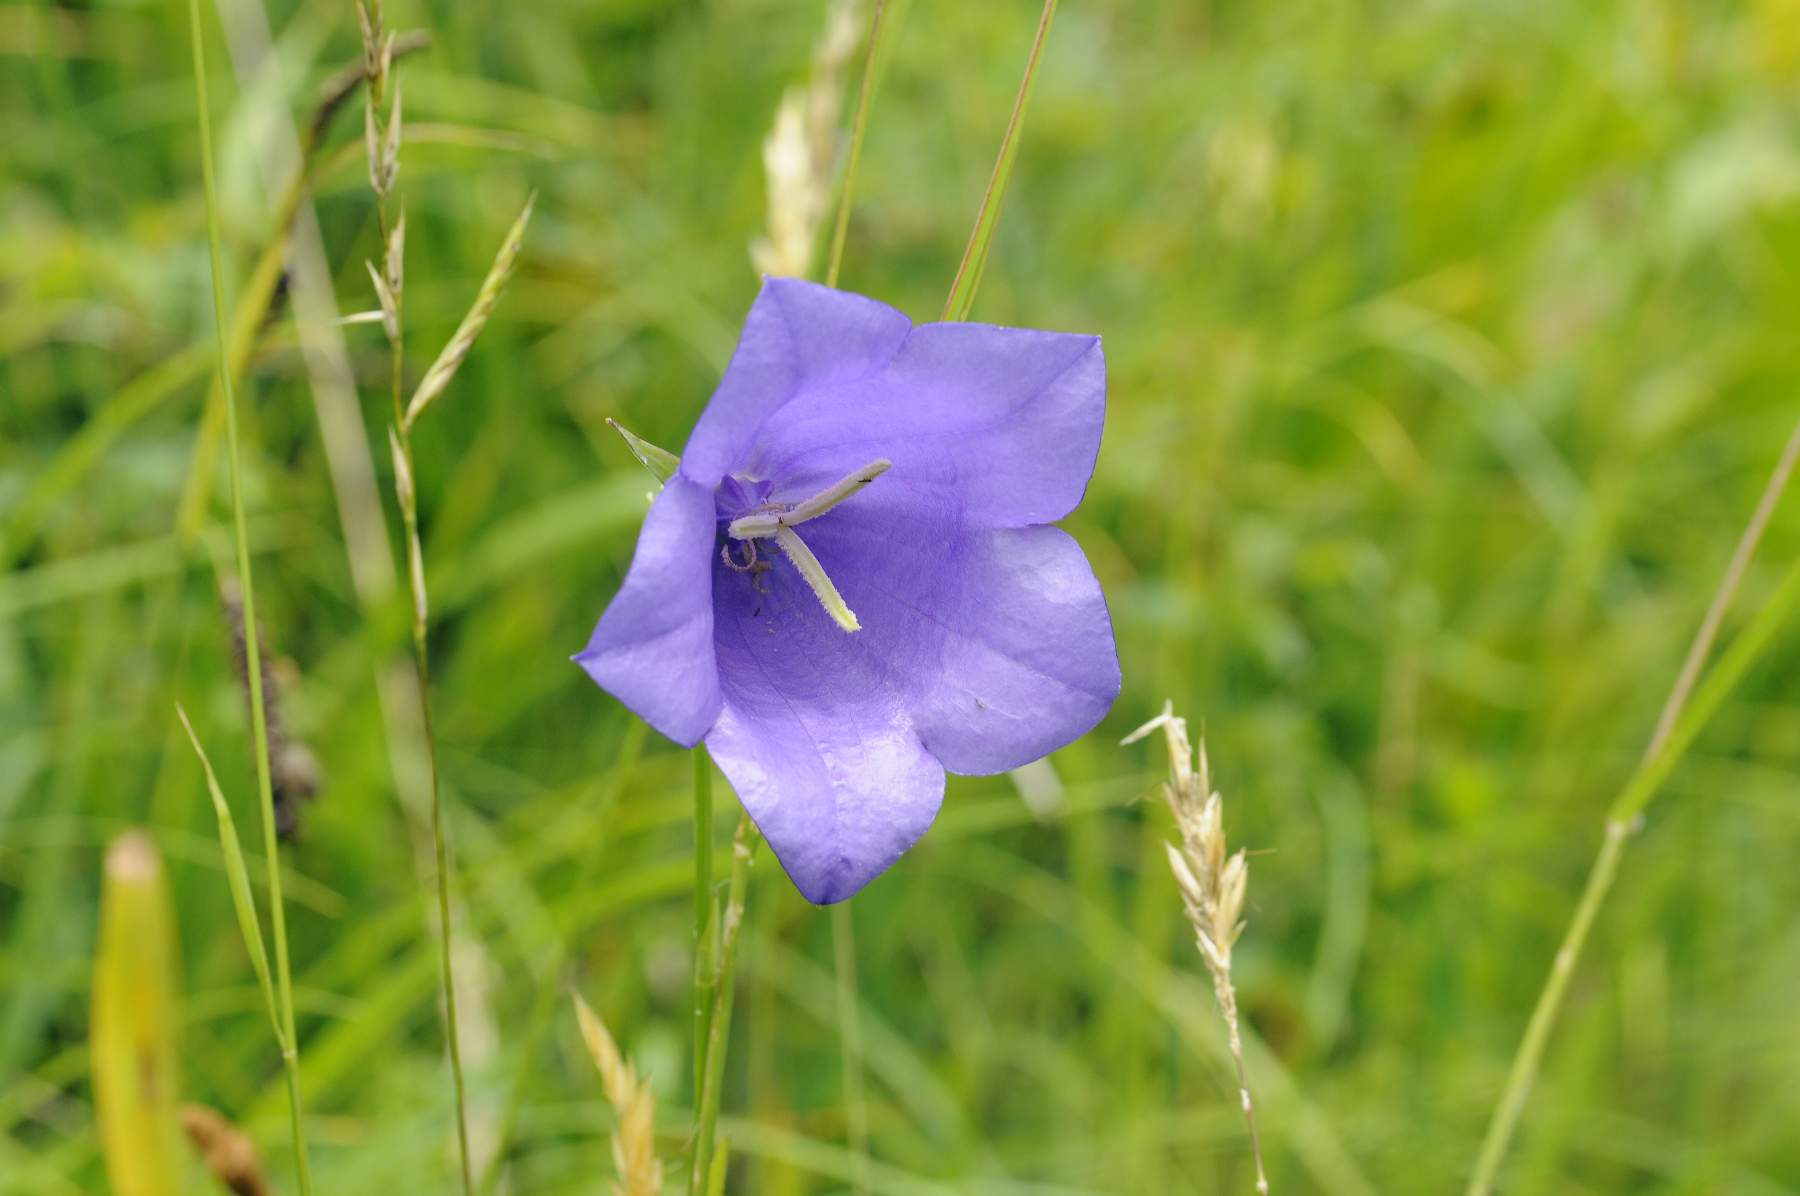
[1212, 880]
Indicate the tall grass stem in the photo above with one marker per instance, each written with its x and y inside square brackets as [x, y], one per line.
[259, 724]
[849, 1014]
[1676, 726]
[718, 1035]
[703, 900]
[974, 259]
[383, 151]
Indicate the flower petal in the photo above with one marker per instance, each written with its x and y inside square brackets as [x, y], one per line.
[799, 337]
[1028, 663]
[653, 648]
[980, 650]
[996, 642]
[813, 740]
[1004, 421]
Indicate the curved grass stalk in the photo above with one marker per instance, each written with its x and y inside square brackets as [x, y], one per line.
[1676, 727]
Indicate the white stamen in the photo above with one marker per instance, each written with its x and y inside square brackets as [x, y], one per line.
[814, 574]
[764, 523]
[778, 525]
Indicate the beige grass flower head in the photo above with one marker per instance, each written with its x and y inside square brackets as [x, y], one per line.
[800, 152]
[640, 1172]
[1212, 883]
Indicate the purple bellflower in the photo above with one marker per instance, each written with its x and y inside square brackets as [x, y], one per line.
[849, 585]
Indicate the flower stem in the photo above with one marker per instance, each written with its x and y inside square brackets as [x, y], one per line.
[974, 259]
[1676, 728]
[703, 873]
[849, 1013]
[743, 847]
[858, 124]
[259, 723]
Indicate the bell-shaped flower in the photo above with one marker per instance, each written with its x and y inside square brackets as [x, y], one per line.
[850, 584]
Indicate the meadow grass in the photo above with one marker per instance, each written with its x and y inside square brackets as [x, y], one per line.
[1449, 350]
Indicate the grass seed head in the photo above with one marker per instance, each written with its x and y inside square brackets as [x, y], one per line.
[800, 152]
[640, 1172]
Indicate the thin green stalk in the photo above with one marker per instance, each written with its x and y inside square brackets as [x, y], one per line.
[452, 1038]
[1677, 726]
[259, 724]
[858, 124]
[743, 847]
[703, 901]
[974, 259]
[849, 1014]
[389, 280]
[409, 515]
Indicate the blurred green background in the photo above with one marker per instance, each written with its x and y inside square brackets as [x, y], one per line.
[1450, 344]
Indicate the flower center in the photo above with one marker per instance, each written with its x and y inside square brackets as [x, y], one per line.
[777, 522]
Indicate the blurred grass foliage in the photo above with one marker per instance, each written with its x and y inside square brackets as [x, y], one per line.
[1450, 344]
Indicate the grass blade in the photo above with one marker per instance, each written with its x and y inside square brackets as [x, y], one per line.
[239, 877]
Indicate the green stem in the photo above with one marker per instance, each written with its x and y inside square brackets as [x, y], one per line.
[452, 1038]
[743, 847]
[259, 723]
[858, 124]
[856, 1109]
[1677, 727]
[703, 874]
[409, 513]
[974, 259]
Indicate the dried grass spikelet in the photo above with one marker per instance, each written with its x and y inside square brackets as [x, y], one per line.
[1212, 881]
[800, 152]
[463, 339]
[640, 1172]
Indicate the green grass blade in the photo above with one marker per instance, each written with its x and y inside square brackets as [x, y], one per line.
[238, 875]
